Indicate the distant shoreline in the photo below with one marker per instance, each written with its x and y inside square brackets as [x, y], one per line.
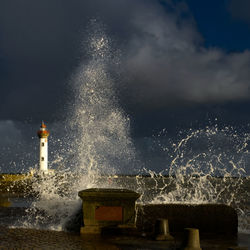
[2, 175]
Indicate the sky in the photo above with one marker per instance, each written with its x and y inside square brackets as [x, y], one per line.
[183, 63]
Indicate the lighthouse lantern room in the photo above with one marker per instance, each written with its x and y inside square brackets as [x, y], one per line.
[43, 134]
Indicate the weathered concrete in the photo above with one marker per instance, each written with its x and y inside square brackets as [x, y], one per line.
[107, 208]
[161, 232]
[192, 239]
[19, 238]
[208, 218]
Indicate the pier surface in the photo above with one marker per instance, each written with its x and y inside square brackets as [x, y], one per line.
[210, 219]
[18, 238]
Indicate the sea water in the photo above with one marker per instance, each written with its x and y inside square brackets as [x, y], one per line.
[208, 165]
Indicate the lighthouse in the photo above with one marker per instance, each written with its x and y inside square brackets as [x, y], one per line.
[43, 135]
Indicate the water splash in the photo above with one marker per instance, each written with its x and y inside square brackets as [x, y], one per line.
[102, 143]
[200, 166]
[203, 166]
[96, 139]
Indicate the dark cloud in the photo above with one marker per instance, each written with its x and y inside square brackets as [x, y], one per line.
[9, 133]
[38, 47]
[163, 59]
[240, 10]
[169, 63]
[165, 69]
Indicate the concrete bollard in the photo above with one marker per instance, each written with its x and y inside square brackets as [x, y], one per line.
[162, 230]
[192, 239]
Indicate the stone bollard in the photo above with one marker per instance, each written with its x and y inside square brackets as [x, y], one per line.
[162, 230]
[192, 239]
[107, 208]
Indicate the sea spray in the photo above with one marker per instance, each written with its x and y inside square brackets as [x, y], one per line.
[202, 166]
[198, 166]
[101, 140]
[96, 140]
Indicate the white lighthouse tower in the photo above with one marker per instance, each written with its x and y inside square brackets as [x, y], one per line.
[43, 134]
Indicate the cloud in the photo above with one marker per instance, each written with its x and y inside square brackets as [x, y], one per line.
[9, 133]
[162, 55]
[240, 10]
[169, 64]
[38, 49]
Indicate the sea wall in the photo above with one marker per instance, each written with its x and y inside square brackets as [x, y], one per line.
[208, 218]
[15, 183]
